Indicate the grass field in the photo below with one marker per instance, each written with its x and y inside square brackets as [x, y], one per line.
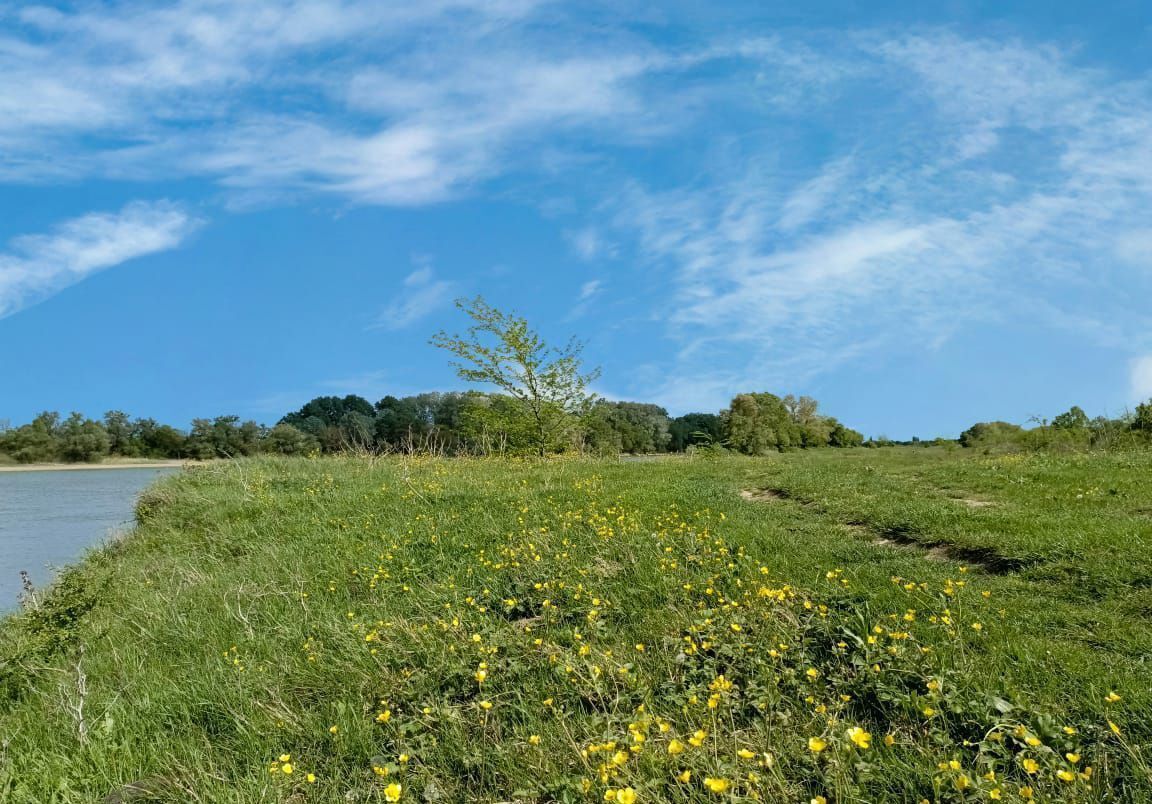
[840, 626]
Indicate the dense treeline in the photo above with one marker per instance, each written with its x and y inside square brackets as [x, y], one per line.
[1072, 430]
[478, 423]
[468, 422]
[543, 407]
[50, 439]
[475, 422]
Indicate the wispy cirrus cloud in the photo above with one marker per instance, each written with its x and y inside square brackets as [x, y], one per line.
[981, 180]
[589, 291]
[370, 102]
[421, 294]
[803, 199]
[590, 244]
[38, 266]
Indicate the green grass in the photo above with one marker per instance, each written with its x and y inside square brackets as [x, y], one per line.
[343, 612]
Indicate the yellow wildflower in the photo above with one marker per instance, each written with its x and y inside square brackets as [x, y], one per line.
[392, 792]
[859, 737]
[816, 745]
[717, 786]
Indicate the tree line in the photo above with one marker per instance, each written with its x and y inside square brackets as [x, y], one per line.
[51, 438]
[480, 423]
[476, 422]
[1071, 430]
[451, 423]
[542, 405]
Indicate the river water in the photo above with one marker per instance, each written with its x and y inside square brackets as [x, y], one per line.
[48, 519]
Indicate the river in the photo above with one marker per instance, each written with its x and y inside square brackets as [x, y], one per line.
[49, 519]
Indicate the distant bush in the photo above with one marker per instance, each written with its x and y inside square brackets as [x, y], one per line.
[759, 423]
[1069, 432]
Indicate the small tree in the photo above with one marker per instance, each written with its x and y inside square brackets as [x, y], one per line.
[284, 439]
[1074, 419]
[119, 428]
[757, 424]
[82, 440]
[547, 382]
[1142, 421]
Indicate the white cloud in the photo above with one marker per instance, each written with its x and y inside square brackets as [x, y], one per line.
[1141, 378]
[980, 180]
[590, 244]
[859, 191]
[814, 197]
[420, 296]
[423, 101]
[37, 266]
[400, 166]
[590, 289]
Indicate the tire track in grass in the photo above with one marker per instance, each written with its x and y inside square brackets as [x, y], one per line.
[904, 537]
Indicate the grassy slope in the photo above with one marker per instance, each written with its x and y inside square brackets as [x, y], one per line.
[262, 603]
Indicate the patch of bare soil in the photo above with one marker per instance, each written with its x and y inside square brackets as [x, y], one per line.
[904, 538]
[972, 502]
[763, 495]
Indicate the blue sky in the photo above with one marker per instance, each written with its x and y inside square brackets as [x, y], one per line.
[924, 215]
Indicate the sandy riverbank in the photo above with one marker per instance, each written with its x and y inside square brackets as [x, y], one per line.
[73, 467]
